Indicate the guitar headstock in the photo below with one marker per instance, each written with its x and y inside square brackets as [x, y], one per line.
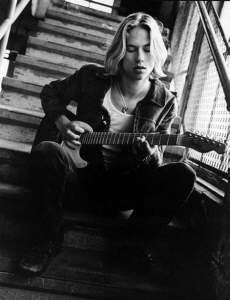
[201, 143]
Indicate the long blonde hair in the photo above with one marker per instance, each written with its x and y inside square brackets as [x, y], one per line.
[117, 49]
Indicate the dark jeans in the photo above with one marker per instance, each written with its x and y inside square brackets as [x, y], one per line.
[55, 180]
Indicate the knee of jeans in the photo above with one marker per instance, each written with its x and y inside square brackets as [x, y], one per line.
[186, 171]
[48, 153]
[47, 147]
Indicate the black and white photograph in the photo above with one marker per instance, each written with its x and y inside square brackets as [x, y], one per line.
[114, 150]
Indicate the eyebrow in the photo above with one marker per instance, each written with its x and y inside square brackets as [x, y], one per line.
[136, 46]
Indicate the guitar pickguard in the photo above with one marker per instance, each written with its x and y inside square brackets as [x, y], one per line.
[74, 155]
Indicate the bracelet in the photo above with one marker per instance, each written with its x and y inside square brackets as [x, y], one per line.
[147, 159]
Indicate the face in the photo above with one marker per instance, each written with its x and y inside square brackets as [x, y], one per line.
[138, 61]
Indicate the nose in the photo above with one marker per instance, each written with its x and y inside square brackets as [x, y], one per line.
[140, 56]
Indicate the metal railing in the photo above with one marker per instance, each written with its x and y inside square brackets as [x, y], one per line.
[219, 59]
[14, 12]
[215, 50]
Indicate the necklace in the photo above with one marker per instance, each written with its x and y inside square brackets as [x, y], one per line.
[124, 108]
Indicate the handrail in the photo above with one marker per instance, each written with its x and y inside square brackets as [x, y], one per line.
[217, 20]
[10, 20]
[215, 50]
[100, 3]
[14, 11]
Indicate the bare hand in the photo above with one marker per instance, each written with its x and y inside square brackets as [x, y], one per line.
[72, 130]
[142, 147]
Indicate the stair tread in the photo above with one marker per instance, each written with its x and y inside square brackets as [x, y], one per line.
[57, 29]
[77, 9]
[16, 84]
[81, 265]
[33, 62]
[69, 17]
[16, 110]
[15, 146]
[108, 276]
[65, 50]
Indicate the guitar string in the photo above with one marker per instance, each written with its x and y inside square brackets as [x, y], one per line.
[96, 137]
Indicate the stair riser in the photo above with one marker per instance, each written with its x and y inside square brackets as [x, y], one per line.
[21, 100]
[71, 42]
[17, 133]
[18, 228]
[59, 58]
[82, 28]
[13, 294]
[35, 76]
[51, 288]
[13, 167]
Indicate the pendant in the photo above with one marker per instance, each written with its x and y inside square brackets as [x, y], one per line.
[124, 109]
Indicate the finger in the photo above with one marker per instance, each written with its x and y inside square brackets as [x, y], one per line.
[84, 126]
[75, 127]
[72, 135]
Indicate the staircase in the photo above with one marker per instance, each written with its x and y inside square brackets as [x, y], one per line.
[100, 257]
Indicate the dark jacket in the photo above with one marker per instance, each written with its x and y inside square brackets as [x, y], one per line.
[87, 88]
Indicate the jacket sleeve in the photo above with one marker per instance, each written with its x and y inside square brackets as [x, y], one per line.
[56, 95]
[166, 122]
[164, 127]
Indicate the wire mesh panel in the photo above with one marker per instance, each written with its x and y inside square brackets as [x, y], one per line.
[182, 43]
[206, 107]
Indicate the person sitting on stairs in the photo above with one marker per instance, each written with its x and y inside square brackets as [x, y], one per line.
[123, 103]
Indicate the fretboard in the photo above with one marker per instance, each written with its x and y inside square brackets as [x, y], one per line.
[110, 138]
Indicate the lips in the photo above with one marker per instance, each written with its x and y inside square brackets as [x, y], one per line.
[139, 68]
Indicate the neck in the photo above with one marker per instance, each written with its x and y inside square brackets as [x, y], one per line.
[131, 88]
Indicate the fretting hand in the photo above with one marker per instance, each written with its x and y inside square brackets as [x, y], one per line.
[142, 147]
[144, 151]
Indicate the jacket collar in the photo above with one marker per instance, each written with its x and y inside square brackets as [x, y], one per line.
[156, 93]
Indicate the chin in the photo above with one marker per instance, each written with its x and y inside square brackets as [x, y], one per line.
[140, 76]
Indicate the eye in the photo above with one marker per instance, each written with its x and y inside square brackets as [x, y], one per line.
[130, 48]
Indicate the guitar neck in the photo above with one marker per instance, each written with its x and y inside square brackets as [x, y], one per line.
[121, 138]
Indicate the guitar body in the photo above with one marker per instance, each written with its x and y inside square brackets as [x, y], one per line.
[75, 156]
[47, 131]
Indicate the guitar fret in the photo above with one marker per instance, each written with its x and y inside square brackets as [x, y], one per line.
[103, 137]
[92, 139]
[86, 138]
[118, 138]
[106, 138]
[126, 138]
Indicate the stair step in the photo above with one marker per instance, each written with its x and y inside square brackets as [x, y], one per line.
[34, 70]
[12, 84]
[18, 124]
[16, 293]
[86, 12]
[84, 274]
[69, 37]
[69, 20]
[82, 231]
[22, 97]
[14, 162]
[61, 54]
